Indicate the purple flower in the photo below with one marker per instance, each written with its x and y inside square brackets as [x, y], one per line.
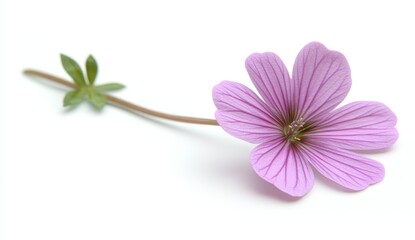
[297, 126]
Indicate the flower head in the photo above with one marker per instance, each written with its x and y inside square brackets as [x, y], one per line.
[297, 124]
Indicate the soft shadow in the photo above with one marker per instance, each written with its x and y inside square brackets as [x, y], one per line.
[383, 150]
[234, 167]
[238, 168]
[266, 189]
[69, 109]
[234, 172]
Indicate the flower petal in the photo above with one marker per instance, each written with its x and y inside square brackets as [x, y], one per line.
[271, 78]
[343, 167]
[242, 114]
[279, 163]
[358, 126]
[321, 80]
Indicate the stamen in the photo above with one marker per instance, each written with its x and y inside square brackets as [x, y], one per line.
[294, 130]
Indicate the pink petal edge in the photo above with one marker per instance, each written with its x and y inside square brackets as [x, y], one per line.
[279, 163]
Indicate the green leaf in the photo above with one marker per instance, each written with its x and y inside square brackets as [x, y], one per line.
[91, 69]
[97, 99]
[73, 98]
[73, 69]
[109, 87]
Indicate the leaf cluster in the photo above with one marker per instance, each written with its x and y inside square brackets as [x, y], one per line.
[86, 89]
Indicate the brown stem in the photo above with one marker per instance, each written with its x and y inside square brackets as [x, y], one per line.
[128, 105]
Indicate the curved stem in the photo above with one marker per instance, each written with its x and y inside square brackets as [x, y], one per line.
[128, 105]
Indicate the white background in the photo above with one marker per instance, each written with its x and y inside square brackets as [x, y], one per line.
[83, 174]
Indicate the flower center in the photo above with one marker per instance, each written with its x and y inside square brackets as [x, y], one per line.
[294, 131]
